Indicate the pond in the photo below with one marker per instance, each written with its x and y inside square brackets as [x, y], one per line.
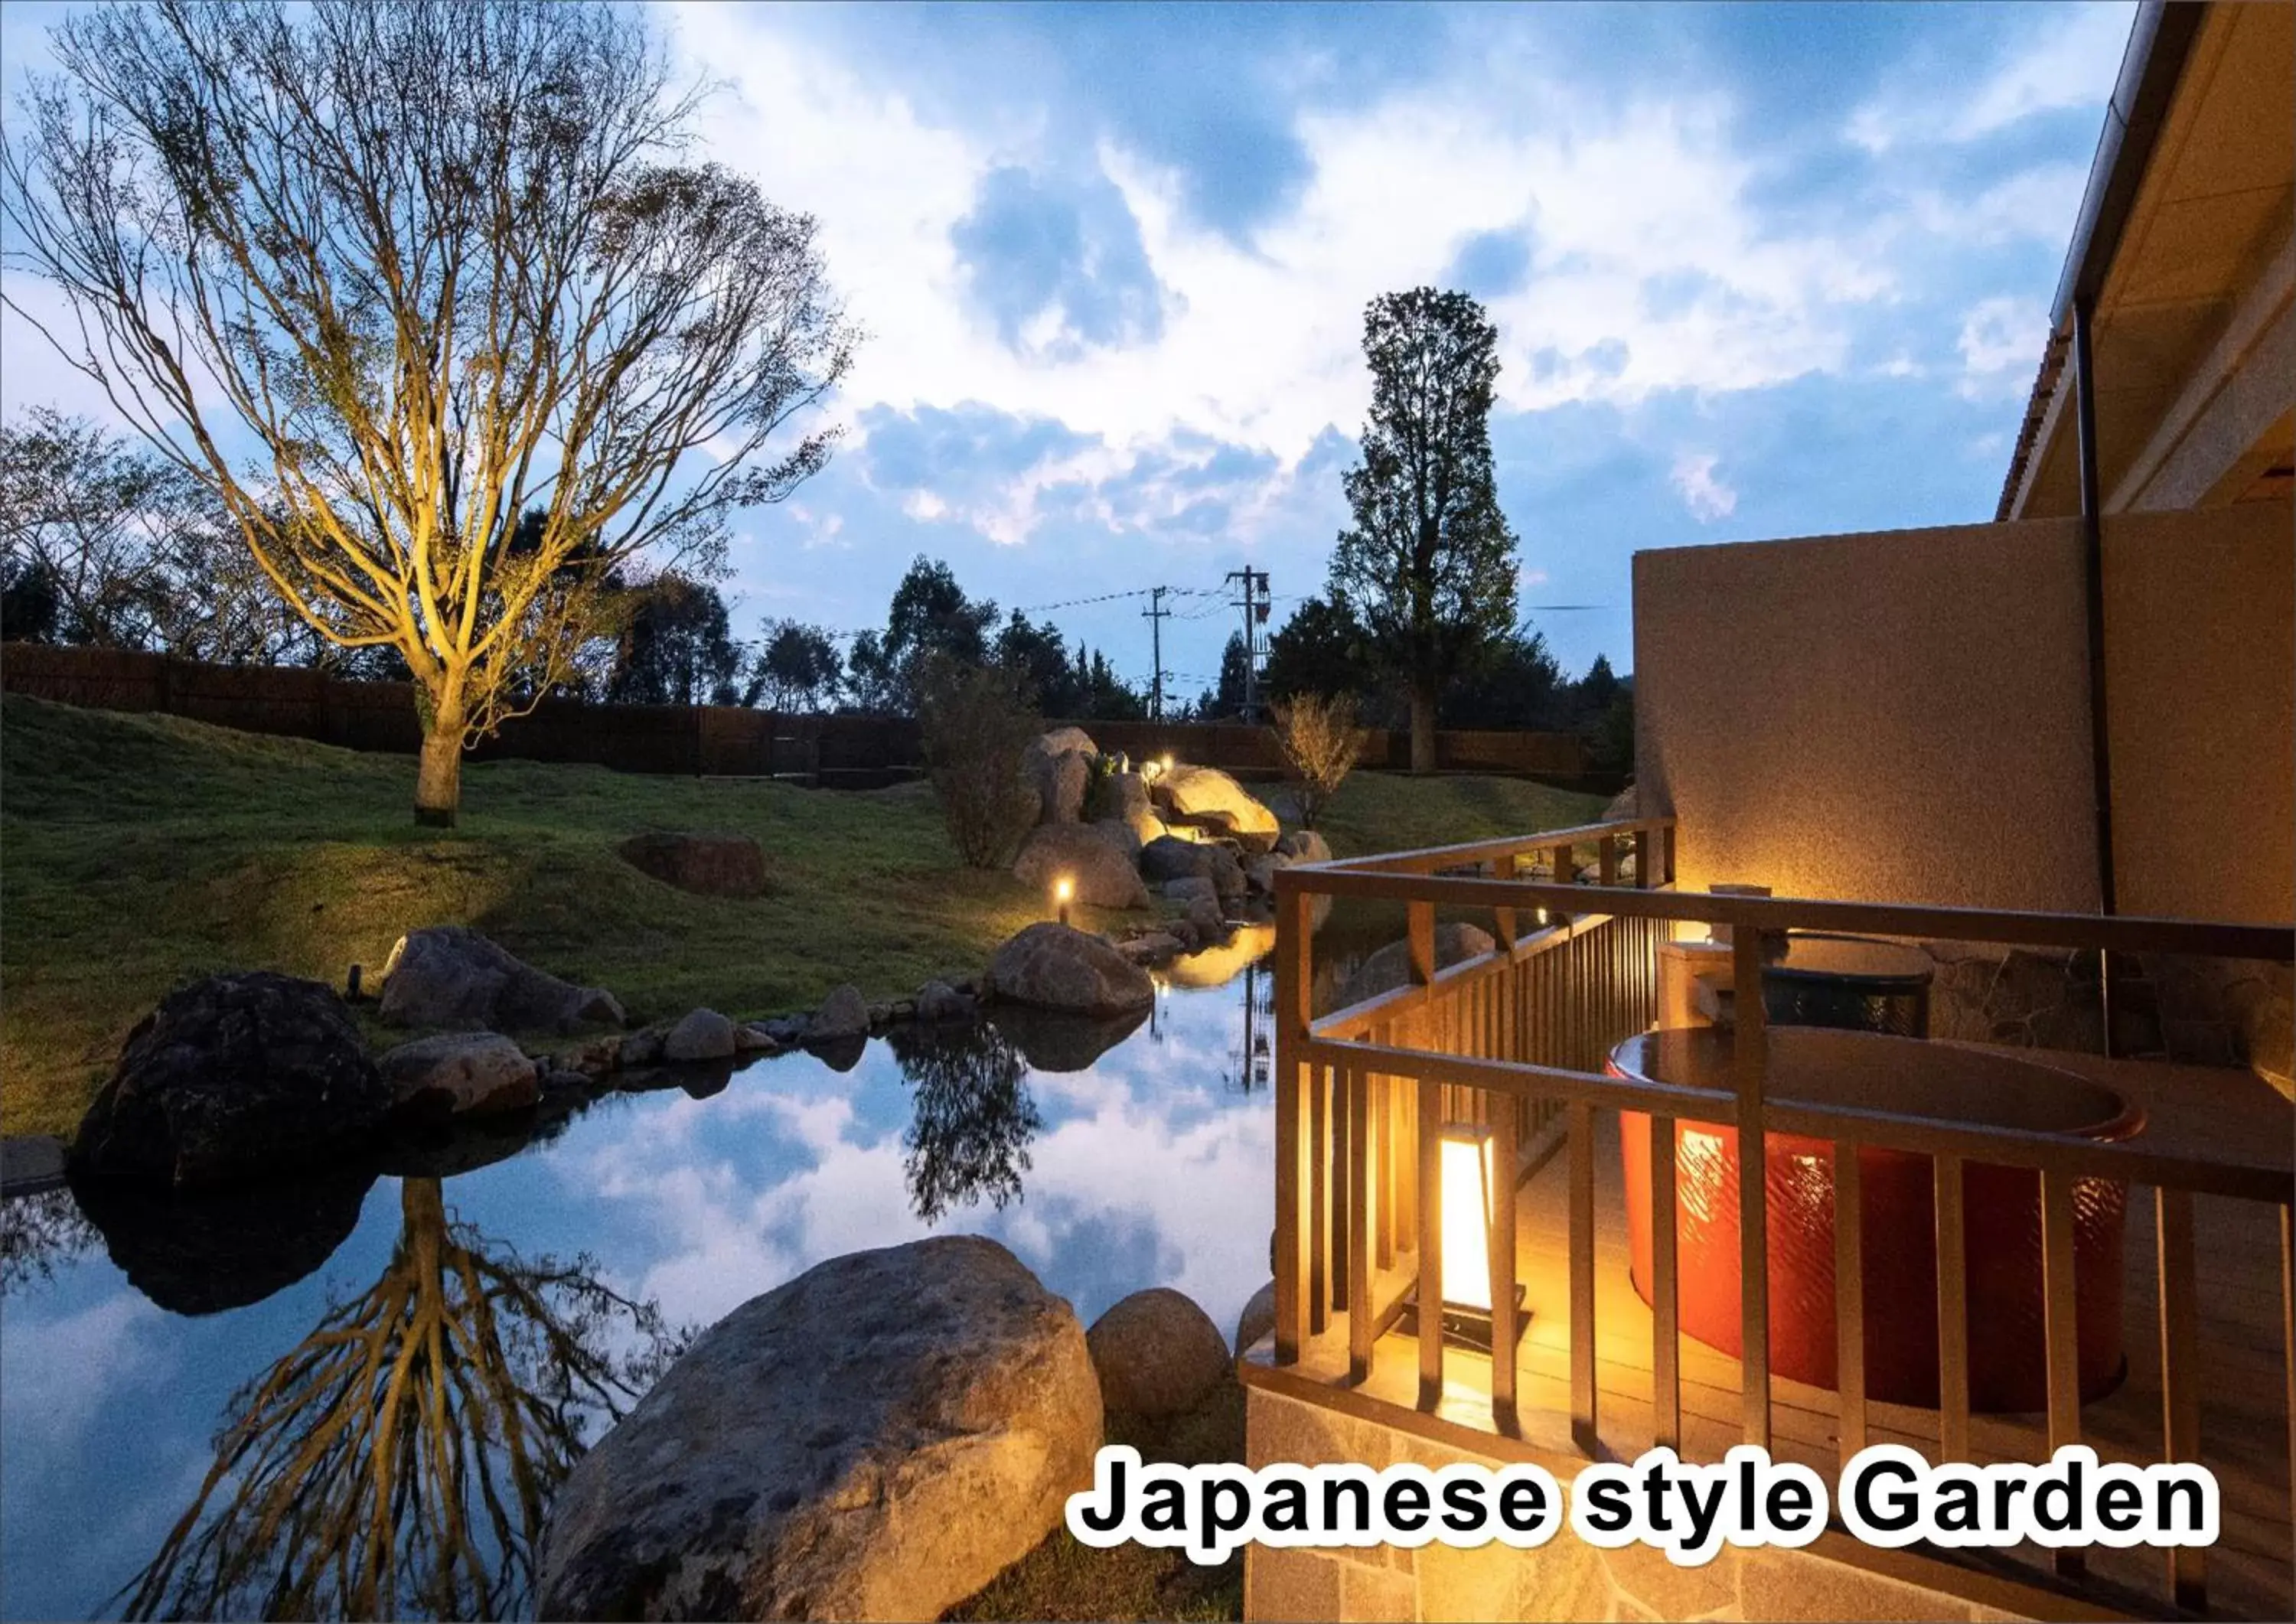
[200, 1411]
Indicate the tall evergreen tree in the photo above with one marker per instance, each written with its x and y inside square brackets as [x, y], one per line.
[1428, 566]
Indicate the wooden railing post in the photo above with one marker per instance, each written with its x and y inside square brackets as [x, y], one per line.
[1643, 880]
[2058, 1312]
[1666, 1291]
[1750, 1047]
[2180, 1374]
[1953, 1310]
[1606, 857]
[1848, 1298]
[1361, 1332]
[1294, 941]
[1421, 918]
[1584, 1429]
[1430, 1245]
[1501, 1260]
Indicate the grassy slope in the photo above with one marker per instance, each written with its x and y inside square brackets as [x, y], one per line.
[136, 850]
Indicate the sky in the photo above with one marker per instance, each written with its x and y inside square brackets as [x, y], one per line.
[1756, 271]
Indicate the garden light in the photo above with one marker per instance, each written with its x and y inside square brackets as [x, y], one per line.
[1063, 889]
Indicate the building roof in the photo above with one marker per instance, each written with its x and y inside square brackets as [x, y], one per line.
[2181, 251]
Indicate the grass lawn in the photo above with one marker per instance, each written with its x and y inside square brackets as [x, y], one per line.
[137, 851]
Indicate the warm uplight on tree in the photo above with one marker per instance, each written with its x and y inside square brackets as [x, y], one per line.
[1467, 1219]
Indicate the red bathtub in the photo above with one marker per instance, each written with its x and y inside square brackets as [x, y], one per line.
[2001, 1207]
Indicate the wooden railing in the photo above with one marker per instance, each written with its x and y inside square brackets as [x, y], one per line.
[1513, 1039]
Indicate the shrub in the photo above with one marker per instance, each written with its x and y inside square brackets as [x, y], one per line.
[1320, 741]
[977, 729]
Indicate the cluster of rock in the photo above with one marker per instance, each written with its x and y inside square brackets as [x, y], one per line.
[1190, 834]
[879, 1438]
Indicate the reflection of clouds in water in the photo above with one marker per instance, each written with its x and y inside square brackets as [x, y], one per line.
[58, 1372]
[1148, 1170]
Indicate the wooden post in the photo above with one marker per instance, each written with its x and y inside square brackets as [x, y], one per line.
[1749, 1046]
[2060, 1330]
[1294, 941]
[1421, 917]
[1666, 1296]
[2180, 1371]
[1581, 1225]
[1953, 1310]
[1431, 1245]
[1357, 1087]
[1606, 858]
[1848, 1298]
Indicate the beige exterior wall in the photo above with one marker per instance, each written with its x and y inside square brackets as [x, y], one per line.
[1904, 716]
[2201, 687]
[1891, 716]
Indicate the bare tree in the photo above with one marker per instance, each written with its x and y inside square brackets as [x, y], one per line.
[96, 518]
[387, 275]
[1320, 743]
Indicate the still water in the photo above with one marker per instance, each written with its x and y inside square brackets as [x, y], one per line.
[356, 1397]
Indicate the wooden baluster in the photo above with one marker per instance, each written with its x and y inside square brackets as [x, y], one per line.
[1346, 1147]
[1952, 1311]
[1749, 1047]
[1319, 1199]
[1666, 845]
[1606, 851]
[2288, 1325]
[2180, 1371]
[1420, 922]
[1383, 1136]
[2061, 1333]
[1849, 1298]
[1666, 1293]
[1357, 1087]
[1504, 1158]
[1642, 860]
[1583, 1429]
[1406, 1164]
[1294, 941]
[1431, 1245]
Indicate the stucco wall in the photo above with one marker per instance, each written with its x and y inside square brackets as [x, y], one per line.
[2201, 689]
[1891, 716]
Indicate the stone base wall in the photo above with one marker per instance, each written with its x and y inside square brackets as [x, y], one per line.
[1562, 1580]
[2202, 1011]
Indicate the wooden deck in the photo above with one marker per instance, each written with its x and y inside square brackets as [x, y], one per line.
[2244, 1422]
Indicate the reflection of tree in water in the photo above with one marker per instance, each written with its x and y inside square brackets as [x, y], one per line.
[969, 1135]
[402, 1456]
[40, 1234]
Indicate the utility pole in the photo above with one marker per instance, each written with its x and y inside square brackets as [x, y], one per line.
[1154, 615]
[1254, 603]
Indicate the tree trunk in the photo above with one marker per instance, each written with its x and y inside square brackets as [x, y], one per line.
[1423, 725]
[439, 782]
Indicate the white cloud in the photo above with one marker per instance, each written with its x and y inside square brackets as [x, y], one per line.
[2001, 344]
[2066, 56]
[1707, 498]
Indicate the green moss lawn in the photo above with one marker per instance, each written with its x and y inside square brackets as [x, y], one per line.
[138, 850]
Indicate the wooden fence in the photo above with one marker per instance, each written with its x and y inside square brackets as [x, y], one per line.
[849, 751]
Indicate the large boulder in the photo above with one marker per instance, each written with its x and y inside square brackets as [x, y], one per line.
[238, 1077]
[1124, 796]
[878, 1438]
[1053, 966]
[1101, 869]
[1205, 797]
[1157, 1353]
[1227, 875]
[707, 865]
[1053, 1041]
[1169, 858]
[459, 1073]
[1058, 766]
[1257, 1320]
[1390, 967]
[451, 976]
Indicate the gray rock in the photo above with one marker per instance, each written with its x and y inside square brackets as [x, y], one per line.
[1062, 741]
[451, 976]
[938, 1001]
[640, 1048]
[1053, 966]
[235, 1077]
[1058, 766]
[1259, 873]
[1157, 1354]
[1189, 888]
[1154, 948]
[703, 1034]
[1390, 967]
[706, 864]
[1257, 1318]
[30, 1163]
[1209, 924]
[1119, 834]
[750, 1037]
[1168, 857]
[559, 1082]
[1124, 797]
[460, 1073]
[785, 1029]
[878, 1438]
[1305, 846]
[843, 1014]
[1227, 871]
[1100, 869]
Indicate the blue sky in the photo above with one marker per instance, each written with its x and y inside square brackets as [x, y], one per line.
[1756, 271]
